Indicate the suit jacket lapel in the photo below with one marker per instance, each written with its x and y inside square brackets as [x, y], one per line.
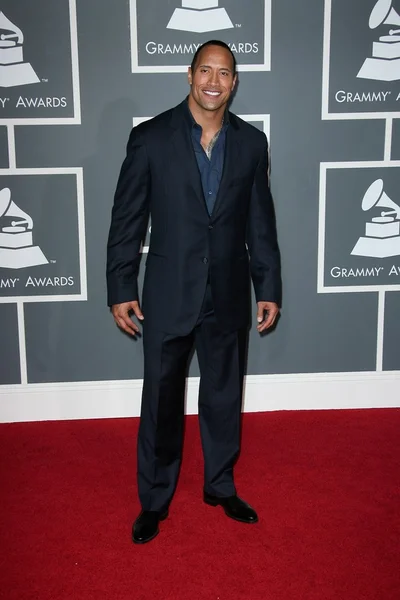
[184, 153]
[231, 162]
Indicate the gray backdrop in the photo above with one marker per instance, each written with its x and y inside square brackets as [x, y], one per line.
[319, 332]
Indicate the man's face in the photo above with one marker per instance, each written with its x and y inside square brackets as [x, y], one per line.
[213, 79]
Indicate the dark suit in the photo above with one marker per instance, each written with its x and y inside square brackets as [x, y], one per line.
[196, 287]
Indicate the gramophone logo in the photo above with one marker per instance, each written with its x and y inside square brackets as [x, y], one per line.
[382, 232]
[13, 70]
[17, 249]
[200, 16]
[385, 62]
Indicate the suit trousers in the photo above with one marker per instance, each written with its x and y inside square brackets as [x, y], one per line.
[221, 357]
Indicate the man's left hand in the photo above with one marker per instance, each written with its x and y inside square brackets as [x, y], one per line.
[266, 315]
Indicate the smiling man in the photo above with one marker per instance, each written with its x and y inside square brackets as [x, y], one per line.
[201, 173]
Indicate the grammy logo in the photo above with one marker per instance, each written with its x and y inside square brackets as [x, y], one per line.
[13, 70]
[16, 241]
[382, 233]
[200, 16]
[385, 62]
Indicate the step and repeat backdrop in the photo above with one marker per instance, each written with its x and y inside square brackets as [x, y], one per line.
[320, 78]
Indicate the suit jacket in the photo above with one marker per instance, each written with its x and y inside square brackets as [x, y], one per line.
[160, 176]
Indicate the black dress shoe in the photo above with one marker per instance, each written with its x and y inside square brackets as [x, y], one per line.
[234, 507]
[145, 528]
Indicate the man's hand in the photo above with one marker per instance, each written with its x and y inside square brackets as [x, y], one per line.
[266, 320]
[121, 314]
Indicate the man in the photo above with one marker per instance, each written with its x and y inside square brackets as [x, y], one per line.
[201, 173]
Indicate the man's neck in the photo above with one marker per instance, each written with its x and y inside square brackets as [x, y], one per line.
[209, 120]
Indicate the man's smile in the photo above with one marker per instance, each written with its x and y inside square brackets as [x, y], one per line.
[212, 93]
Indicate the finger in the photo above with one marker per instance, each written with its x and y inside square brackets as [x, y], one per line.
[271, 318]
[260, 315]
[127, 325]
[122, 325]
[138, 313]
[130, 323]
[124, 314]
[272, 314]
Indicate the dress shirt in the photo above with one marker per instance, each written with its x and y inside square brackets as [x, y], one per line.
[210, 168]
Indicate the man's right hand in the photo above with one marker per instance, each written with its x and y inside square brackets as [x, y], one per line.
[121, 314]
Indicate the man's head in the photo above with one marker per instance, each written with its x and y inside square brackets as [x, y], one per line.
[212, 75]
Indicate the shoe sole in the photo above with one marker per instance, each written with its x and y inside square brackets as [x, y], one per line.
[212, 503]
[139, 542]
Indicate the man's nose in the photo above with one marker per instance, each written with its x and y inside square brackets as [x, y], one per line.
[214, 77]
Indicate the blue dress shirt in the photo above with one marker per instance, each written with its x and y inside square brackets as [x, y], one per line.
[210, 169]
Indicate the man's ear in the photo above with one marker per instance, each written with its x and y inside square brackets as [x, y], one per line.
[235, 79]
[190, 79]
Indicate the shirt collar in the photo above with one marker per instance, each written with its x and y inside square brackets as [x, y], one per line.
[192, 123]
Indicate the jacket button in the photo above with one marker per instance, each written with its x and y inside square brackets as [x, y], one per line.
[205, 260]
[210, 227]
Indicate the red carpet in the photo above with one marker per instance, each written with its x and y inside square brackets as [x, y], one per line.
[325, 484]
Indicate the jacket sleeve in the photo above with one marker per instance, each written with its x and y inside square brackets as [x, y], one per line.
[129, 219]
[265, 262]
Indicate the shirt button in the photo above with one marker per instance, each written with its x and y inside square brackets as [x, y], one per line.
[205, 260]
[210, 193]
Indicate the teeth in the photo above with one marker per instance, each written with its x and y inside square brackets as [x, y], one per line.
[212, 93]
